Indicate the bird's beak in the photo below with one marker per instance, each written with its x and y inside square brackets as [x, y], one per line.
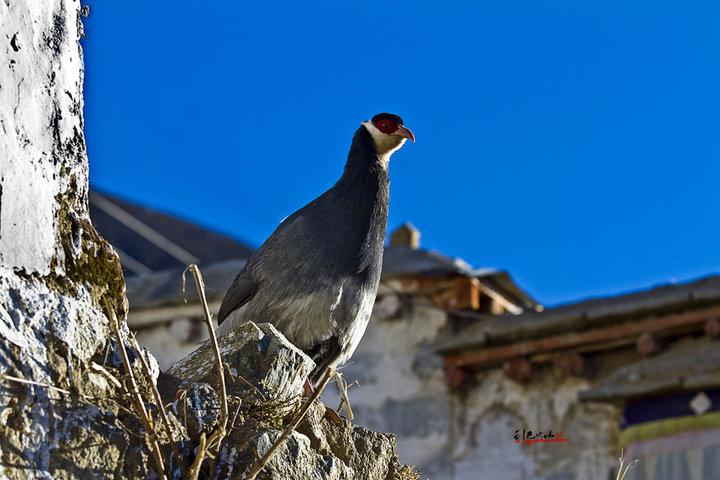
[405, 133]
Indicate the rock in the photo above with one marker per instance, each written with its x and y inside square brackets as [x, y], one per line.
[319, 450]
[296, 459]
[369, 454]
[263, 366]
[198, 407]
[265, 382]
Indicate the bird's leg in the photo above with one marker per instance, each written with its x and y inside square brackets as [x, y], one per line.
[309, 391]
[331, 414]
[308, 388]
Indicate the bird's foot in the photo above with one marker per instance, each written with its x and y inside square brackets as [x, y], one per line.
[330, 414]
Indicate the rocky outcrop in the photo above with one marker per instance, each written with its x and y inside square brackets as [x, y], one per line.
[262, 366]
[77, 395]
[265, 375]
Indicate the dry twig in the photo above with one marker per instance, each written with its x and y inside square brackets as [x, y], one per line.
[136, 396]
[161, 408]
[621, 473]
[36, 384]
[200, 286]
[212, 446]
[343, 386]
[195, 467]
[109, 376]
[257, 468]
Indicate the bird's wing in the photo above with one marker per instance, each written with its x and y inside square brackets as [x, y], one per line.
[267, 257]
[241, 291]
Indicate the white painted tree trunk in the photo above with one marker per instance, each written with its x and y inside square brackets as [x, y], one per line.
[42, 147]
[56, 273]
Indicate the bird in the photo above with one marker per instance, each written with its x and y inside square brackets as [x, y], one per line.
[316, 276]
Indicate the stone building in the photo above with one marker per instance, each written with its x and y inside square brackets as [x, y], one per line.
[639, 372]
[458, 362]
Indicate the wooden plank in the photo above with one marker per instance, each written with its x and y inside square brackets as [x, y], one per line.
[570, 362]
[150, 317]
[494, 355]
[450, 293]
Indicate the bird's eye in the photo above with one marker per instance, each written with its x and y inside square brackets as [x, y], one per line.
[386, 126]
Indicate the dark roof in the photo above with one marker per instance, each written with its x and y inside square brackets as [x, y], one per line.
[690, 365]
[165, 288]
[400, 261]
[149, 241]
[582, 315]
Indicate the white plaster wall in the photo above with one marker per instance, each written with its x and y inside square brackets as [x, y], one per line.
[487, 418]
[40, 126]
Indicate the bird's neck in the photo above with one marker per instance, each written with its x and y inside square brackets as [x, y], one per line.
[365, 177]
[361, 198]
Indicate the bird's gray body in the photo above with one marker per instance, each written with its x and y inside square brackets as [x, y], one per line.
[316, 277]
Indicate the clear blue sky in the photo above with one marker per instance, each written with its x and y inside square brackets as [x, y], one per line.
[574, 143]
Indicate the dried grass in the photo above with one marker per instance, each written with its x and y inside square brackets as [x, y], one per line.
[623, 469]
[137, 399]
[211, 447]
[342, 387]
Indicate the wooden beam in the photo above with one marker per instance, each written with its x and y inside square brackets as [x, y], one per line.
[454, 377]
[495, 355]
[451, 293]
[499, 299]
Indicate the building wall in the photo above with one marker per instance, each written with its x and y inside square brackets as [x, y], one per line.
[469, 435]
[486, 418]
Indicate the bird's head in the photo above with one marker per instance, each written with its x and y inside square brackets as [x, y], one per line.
[388, 133]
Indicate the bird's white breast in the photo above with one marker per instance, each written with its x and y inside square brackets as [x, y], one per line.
[355, 332]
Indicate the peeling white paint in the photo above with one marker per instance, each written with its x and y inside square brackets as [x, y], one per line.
[40, 127]
[51, 326]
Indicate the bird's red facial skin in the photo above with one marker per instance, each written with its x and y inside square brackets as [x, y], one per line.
[386, 126]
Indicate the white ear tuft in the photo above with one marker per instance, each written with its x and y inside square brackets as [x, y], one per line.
[386, 144]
